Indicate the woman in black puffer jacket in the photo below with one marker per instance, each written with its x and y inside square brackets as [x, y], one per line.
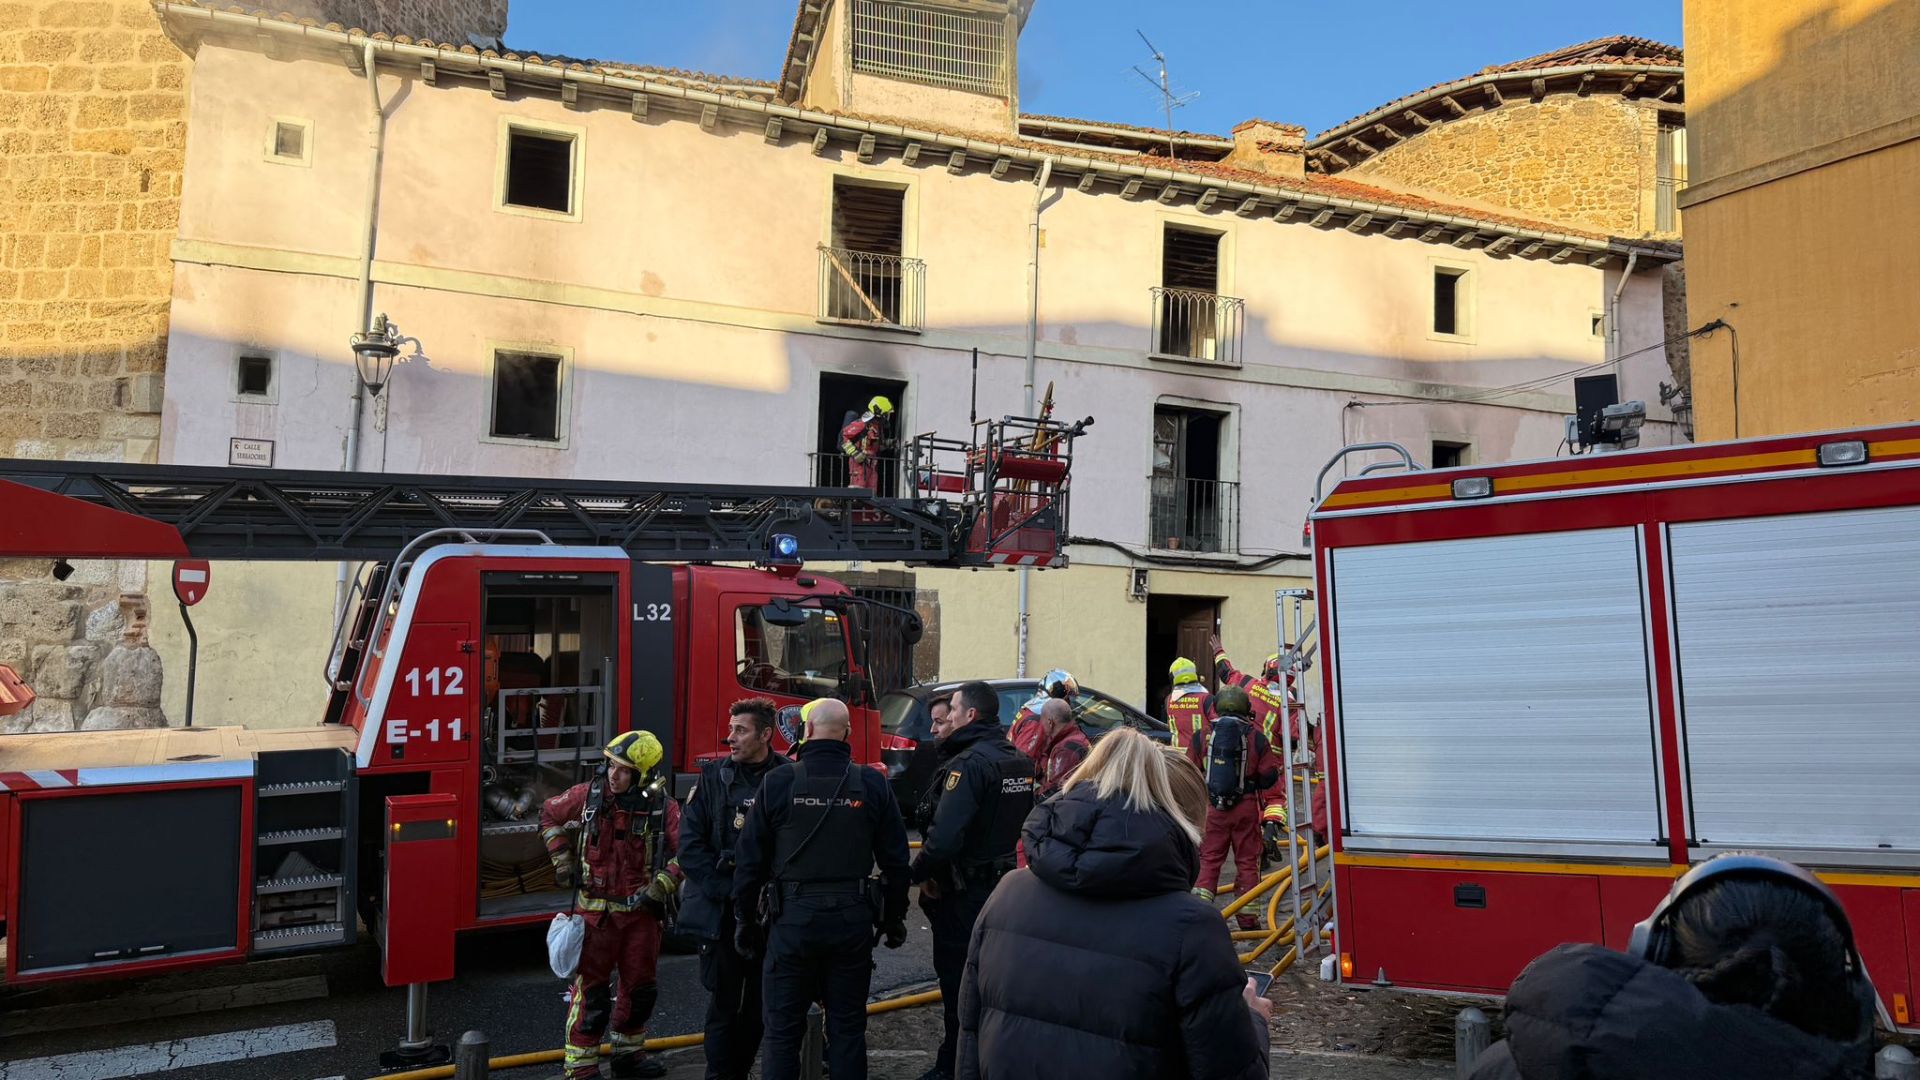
[1096, 960]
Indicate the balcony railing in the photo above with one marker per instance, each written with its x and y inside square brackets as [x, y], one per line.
[1185, 514]
[834, 470]
[881, 290]
[1194, 325]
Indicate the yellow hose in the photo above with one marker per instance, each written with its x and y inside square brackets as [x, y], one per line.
[670, 1042]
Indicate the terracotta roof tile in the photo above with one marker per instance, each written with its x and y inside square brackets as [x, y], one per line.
[1158, 133]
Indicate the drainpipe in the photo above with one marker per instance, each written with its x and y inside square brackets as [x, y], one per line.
[376, 145]
[1033, 348]
[1613, 306]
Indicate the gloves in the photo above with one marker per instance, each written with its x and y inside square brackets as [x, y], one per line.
[563, 874]
[747, 940]
[896, 933]
[1274, 835]
[661, 891]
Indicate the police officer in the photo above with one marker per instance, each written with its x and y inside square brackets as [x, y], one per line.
[715, 813]
[802, 887]
[982, 794]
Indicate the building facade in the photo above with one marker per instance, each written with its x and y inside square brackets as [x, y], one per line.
[624, 272]
[1801, 212]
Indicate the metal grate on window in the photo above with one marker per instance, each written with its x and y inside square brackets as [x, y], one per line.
[940, 48]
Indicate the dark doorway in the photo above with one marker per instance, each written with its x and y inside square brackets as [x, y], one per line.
[1178, 626]
[842, 398]
[1191, 509]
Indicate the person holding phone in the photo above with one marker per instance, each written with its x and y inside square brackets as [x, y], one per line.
[1096, 953]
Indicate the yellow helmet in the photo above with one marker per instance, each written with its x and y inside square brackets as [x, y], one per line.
[879, 406]
[1271, 669]
[1183, 672]
[637, 750]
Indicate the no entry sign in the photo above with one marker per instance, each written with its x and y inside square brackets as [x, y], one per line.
[190, 580]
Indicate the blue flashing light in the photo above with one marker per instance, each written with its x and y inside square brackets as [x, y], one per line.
[785, 547]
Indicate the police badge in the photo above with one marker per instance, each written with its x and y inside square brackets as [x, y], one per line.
[953, 779]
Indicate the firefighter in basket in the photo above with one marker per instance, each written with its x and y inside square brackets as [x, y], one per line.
[1240, 765]
[1189, 709]
[613, 841]
[864, 440]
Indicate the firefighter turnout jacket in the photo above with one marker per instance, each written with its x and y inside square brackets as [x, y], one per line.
[980, 795]
[709, 828]
[622, 843]
[1190, 717]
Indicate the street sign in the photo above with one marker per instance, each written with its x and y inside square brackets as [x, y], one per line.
[190, 580]
[252, 453]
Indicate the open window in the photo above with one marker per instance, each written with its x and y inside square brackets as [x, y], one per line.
[539, 171]
[1192, 506]
[1191, 320]
[528, 401]
[549, 671]
[843, 398]
[1452, 301]
[865, 274]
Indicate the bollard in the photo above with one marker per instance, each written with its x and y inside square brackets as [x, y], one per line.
[813, 1049]
[1896, 1063]
[470, 1057]
[1471, 1034]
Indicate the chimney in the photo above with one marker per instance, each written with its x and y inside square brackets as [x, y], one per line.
[1275, 149]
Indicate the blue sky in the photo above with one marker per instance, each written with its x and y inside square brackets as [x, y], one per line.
[1311, 63]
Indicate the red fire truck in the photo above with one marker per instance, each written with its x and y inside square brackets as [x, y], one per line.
[502, 631]
[1550, 686]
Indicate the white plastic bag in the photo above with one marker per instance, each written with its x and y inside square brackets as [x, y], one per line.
[564, 936]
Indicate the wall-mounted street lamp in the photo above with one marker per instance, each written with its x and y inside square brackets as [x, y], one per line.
[373, 352]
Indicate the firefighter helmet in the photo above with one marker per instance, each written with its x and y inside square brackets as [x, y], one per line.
[637, 750]
[1183, 672]
[1232, 700]
[1059, 683]
[880, 405]
[1271, 669]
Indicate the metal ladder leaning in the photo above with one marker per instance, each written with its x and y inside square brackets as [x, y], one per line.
[1311, 910]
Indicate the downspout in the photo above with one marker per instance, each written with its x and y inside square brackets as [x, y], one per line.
[376, 146]
[1033, 348]
[1613, 306]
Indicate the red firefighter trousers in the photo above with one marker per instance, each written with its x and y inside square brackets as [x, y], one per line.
[627, 942]
[1237, 827]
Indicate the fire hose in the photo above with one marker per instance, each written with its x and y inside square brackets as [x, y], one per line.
[1276, 933]
[669, 1042]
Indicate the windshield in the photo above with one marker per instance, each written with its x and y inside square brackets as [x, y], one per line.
[808, 660]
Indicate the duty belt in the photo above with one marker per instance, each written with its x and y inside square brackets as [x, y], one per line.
[988, 871]
[823, 888]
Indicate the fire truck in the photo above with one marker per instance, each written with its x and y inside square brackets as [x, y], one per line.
[1550, 686]
[501, 632]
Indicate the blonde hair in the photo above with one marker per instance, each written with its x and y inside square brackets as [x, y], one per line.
[1128, 765]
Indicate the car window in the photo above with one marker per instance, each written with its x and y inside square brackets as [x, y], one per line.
[1011, 698]
[1096, 712]
[900, 715]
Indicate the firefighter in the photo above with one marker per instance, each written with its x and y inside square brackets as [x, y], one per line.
[864, 440]
[1240, 764]
[1063, 747]
[1189, 708]
[1271, 694]
[980, 796]
[1025, 732]
[716, 811]
[802, 890]
[620, 864]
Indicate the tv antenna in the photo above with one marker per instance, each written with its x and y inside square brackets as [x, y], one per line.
[1169, 101]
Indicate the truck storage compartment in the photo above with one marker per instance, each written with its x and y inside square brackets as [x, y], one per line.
[115, 876]
[303, 872]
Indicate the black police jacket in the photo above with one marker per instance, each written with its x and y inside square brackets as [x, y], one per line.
[709, 827]
[1581, 1012]
[985, 790]
[754, 849]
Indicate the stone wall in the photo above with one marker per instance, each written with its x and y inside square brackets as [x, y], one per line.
[1583, 161]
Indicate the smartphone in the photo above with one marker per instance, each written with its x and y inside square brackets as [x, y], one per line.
[1261, 980]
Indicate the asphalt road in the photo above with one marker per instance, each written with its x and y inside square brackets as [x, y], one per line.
[328, 1015]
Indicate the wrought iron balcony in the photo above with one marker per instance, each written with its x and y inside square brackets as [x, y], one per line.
[834, 470]
[1185, 514]
[1191, 324]
[879, 290]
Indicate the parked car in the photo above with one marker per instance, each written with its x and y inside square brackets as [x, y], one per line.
[907, 727]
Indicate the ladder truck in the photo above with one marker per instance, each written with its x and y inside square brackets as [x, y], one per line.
[1552, 686]
[502, 629]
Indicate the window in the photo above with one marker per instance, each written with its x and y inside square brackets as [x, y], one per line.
[254, 377]
[865, 275]
[843, 398]
[1191, 319]
[527, 396]
[953, 49]
[1190, 507]
[288, 141]
[1450, 301]
[1670, 174]
[1449, 455]
[803, 654]
[1597, 324]
[540, 170]
[1098, 713]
